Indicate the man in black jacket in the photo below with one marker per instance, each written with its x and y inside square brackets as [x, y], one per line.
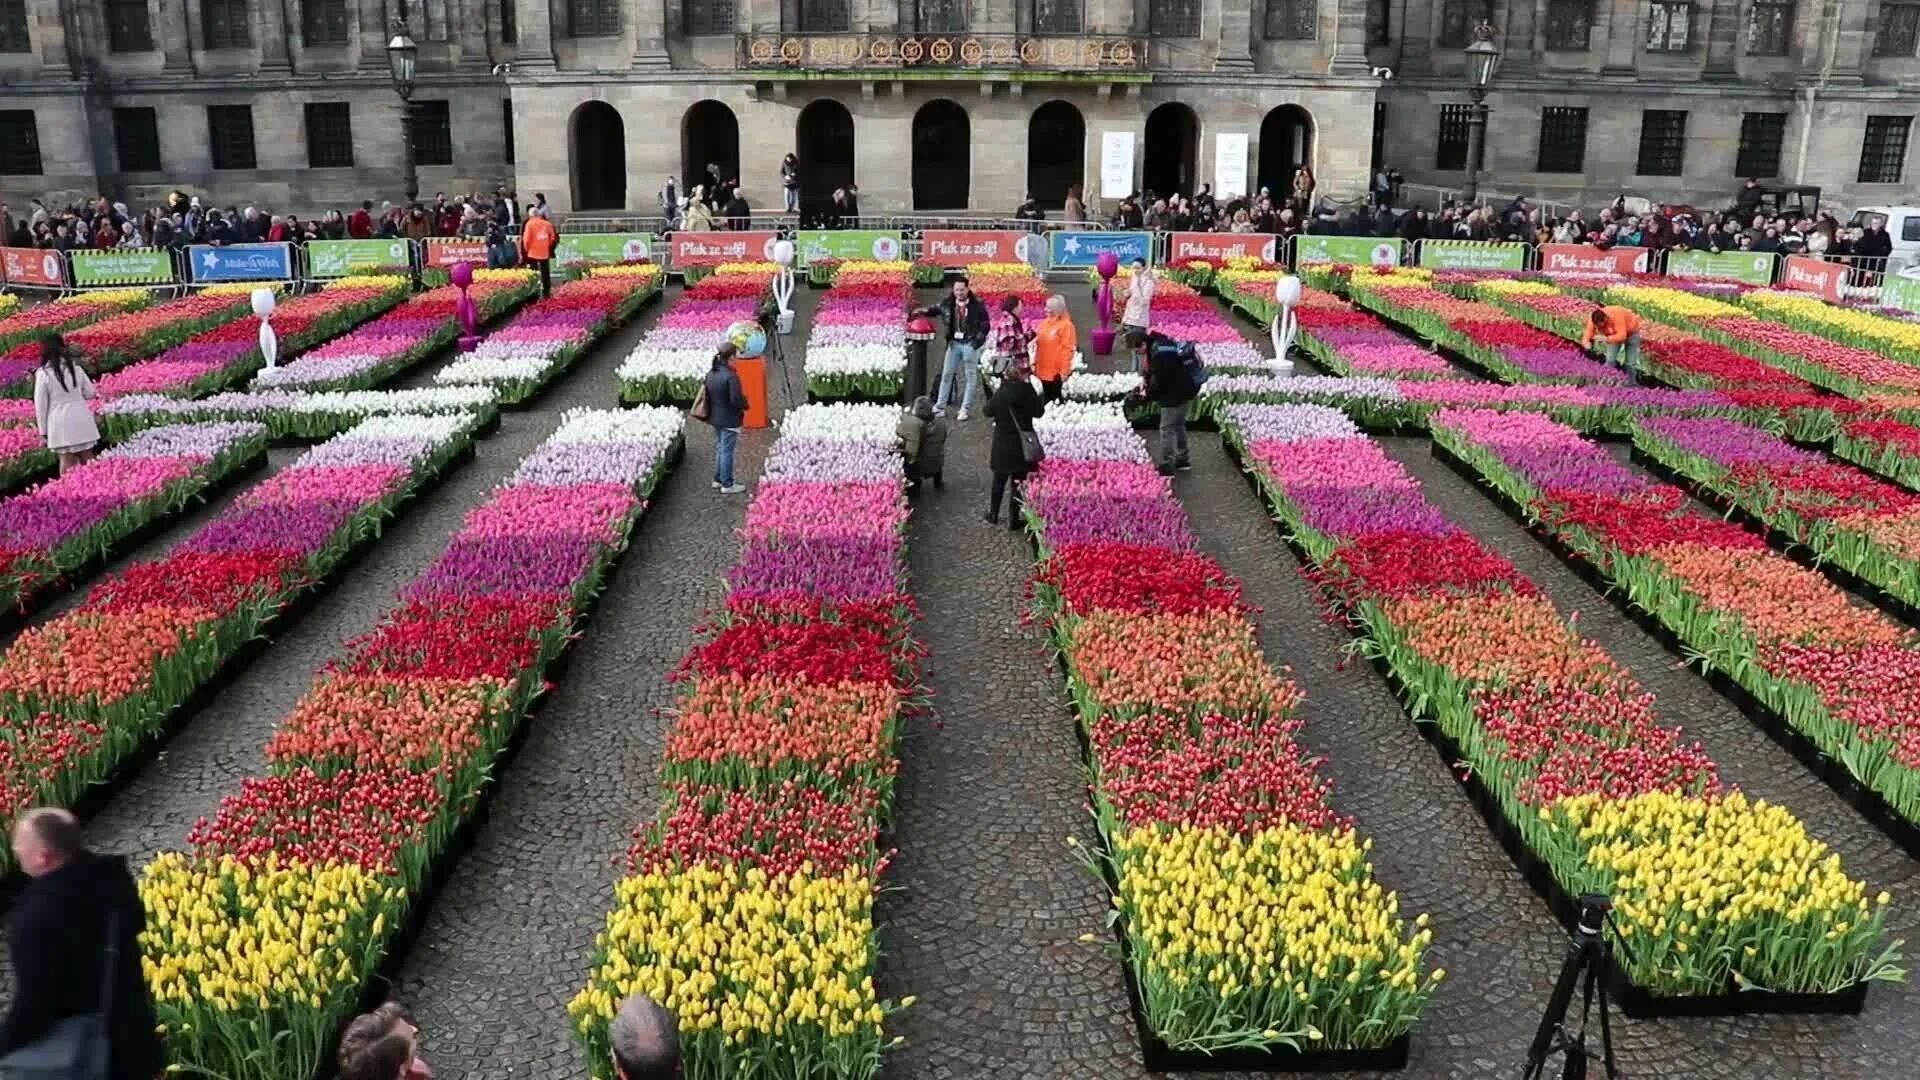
[58, 939]
[966, 316]
[1170, 386]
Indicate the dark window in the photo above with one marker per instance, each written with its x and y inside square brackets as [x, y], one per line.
[593, 18]
[1174, 18]
[1669, 26]
[1453, 24]
[709, 16]
[1663, 142]
[509, 23]
[1769, 28]
[1910, 227]
[329, 135]
[506, 125]
[816, 16]
[1569, 22]
[128, 29]
[13, 27]
[1883, 155]
[1452, 151]
[432, 133]
[19, 143]
[1760, 136]
[323, 22]
[230, 135]
[1292, 20]
[940, 16]
[1056, 16]
[226, 24]
[1898, 30]
[1563, 139]
[136, 139]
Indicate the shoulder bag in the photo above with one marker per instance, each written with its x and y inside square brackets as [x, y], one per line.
[702, 408]
[77, 1047]
[1030, 447]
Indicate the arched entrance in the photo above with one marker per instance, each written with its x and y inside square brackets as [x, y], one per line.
[824, 144]
[597, 145]
[942, 158]
[709, 135]
[1056, 153]
[1173, 145]
[1286, 143]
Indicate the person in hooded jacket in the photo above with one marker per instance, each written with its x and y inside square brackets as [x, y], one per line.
[58, 941]
[923, 445]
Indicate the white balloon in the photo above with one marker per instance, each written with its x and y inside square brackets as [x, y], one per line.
[783, 252]
[263, 302]
[1286, 289]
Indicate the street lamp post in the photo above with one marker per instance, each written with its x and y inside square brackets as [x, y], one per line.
[1482, 57]
[402, 54]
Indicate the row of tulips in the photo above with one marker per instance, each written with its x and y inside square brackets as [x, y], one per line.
[125, 336]
[1880, 445]
[82, 693]
[1681, 358]
[1249, 912]
[1895, 338]
[78, 519]
[748, 905]
[1847, 370]
[263, 935]
[224, 355]
[68, 313]
[1840, 674]
[1347, 341]
[1181, 313]
[1489, 337]
[858, 345]
[1712, 890]
[1853, 521]
[420, 326]
[671, 361]
[1246, 284]
[293, 414]
[540, 343]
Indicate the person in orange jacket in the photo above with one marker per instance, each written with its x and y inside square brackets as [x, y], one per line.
[536, 243]
[1053, 347]
[1619, 330]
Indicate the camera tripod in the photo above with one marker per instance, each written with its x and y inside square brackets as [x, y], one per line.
[1587, 955]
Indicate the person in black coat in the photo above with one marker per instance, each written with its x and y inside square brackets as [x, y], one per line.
[726, 411]
[1170, 386]
[967, 325]
[1013, 408]
[57, 941]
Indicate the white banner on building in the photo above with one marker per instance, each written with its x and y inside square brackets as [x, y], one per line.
[1116, 164]
[1229, 165]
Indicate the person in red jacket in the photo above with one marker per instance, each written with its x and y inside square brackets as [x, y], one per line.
[360, 222]
[1619, 331]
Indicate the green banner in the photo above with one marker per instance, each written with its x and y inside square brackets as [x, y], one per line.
[123, 266]
[338, 258]
[1472, 255]
[1356, 250]
[845, 244]
[604, 248]
[1900, 292]
[1753, 268]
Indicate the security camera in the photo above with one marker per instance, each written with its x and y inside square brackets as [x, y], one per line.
[503, 69]
[1383, 73]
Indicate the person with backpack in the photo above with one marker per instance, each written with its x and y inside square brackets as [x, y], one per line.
[722, 403]
[1173, 377]
[923, 445]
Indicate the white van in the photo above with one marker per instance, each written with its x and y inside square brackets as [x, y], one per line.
[1902, 224]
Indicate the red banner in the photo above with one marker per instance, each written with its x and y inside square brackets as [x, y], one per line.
[1587, 259]
[32, 266]
[958, 247]
[444, 252]
[1808, 274]
[714, 248]
[1206, 245]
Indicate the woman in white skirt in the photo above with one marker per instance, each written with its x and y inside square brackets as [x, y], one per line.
[61, 390]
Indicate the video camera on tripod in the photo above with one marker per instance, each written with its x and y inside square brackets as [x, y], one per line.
[1588, 954]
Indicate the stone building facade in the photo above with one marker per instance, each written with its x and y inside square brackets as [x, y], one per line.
[947, 104]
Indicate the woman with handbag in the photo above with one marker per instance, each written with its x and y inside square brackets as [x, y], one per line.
[1016, 449]
[722, 402]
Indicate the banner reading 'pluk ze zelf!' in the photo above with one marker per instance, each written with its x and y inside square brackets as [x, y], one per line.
[953, 248]
[713, 248]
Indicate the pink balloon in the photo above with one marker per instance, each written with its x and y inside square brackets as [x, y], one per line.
[462, 274]
[1108, 264]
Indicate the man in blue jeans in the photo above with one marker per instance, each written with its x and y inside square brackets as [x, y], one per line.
[966, 317]
[726, 411]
